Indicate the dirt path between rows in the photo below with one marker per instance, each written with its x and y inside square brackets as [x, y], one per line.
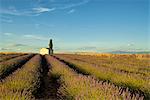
[49, 84]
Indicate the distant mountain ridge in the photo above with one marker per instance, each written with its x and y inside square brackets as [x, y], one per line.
[130, 52]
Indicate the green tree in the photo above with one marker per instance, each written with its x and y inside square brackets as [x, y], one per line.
[50, 46]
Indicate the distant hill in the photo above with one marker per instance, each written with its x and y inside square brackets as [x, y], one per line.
[130, 52]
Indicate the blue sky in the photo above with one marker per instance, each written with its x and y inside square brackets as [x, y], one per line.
[74, 25]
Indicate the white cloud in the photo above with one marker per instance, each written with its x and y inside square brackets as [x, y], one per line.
[5, 48]
[42, 9]
[35, 37]
[25, 12]
[5, 19]
[43, 25]
[71, 11]
[8, 34]
[75, 4]
[18, 49]
[18, 45]
[87, 48]
[130, 44]
[10, 11]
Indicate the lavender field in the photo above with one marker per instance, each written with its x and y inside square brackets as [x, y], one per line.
[74, 77]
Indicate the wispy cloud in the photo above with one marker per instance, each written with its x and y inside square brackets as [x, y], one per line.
[8, 34]
[82, 2]
[39, 25]
[18, 45]
[71, 11]
[18, 49]
[5, 49]
[35, 37]
[130, 44]
[42, 9]
[88, 48]
[10, 11]
[5, 19]
[26, 12]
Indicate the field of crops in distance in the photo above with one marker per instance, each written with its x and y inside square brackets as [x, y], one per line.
[74, 77]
